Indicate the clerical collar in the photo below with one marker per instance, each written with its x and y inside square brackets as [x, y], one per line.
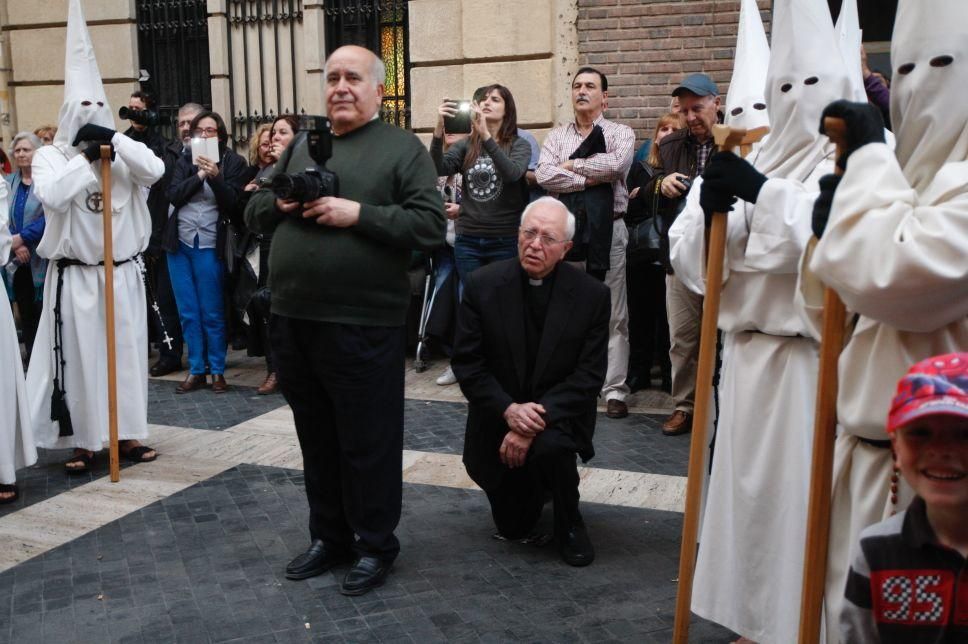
[534, 282]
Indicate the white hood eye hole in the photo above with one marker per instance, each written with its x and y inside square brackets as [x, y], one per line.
[813, 80]
[906, 68]
[85, 103]
[100, 104]
[759, 106]
[736, 111]
[941, 61]
[786, 87]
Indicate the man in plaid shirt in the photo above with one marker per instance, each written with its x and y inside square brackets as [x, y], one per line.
[559, 174]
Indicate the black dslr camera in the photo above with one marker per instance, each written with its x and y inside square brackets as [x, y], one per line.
[315, 181]
[141, 117]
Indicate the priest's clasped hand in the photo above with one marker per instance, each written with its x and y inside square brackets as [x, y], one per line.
[525, 419]
[863, 124]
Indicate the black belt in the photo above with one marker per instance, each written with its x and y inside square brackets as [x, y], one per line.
[64, 262]
[881, 444]
[617, 215]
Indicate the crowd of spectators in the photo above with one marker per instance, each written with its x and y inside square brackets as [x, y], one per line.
[208, 274]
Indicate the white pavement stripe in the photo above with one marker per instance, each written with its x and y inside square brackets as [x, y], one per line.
[188, 456]
[69, 515]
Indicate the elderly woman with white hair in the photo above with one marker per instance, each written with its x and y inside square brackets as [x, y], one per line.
[25, 270]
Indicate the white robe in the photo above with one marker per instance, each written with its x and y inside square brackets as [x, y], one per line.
[899, 259]
[749, 567]
[64, 185]
[16, 440]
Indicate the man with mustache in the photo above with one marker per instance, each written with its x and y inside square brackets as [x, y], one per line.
[584, 164]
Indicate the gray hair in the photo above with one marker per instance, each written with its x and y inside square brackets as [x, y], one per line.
[551, 201]
[29, 136]
[191, 107]
[377, 69]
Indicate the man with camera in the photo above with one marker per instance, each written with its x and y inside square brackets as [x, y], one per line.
[683, 155]
[141, 113]
[340, 292]
[584, 164]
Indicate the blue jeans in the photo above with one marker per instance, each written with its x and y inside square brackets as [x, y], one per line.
[196, 278]
[470, 253]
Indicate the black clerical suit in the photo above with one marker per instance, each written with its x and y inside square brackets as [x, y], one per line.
[520, 343]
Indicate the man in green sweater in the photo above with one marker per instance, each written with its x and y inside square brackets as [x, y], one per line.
[338, 277]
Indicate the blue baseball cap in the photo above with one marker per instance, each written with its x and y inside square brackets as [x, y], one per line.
[698, 84]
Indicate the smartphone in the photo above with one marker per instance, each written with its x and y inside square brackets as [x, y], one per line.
[460, 123]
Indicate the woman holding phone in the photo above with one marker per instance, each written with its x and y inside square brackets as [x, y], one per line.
[493, 162]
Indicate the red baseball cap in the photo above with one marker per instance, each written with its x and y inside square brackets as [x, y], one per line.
[938, 385]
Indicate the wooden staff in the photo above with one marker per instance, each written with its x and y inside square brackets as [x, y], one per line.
[824, 435]
[109, 313]
[726, 138]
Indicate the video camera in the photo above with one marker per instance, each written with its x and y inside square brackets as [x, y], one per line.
[315, 181]
[141, 117]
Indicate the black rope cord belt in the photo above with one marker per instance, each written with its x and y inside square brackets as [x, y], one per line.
[58, 397]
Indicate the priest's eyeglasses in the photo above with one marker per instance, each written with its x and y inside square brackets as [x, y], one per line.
[530, 234]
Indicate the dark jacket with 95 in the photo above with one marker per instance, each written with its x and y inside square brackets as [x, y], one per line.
[354, 275]
[490, 359]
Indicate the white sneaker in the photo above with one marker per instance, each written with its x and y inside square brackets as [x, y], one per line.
[447, 378]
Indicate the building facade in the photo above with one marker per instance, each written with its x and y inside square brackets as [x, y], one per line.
[252, 59]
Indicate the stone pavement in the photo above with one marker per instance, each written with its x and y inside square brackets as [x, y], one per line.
[192, 547]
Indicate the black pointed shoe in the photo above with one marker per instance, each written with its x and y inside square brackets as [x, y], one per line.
[365, 575]
[576, 548]
[317, 560]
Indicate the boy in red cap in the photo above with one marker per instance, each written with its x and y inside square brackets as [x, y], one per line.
[909, 578]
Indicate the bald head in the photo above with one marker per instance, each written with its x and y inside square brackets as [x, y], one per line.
[354, 87]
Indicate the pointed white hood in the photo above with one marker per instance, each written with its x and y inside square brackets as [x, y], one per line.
[849, 37]
[929, 56]
[745, 101]
[806, 73]
[84, 98]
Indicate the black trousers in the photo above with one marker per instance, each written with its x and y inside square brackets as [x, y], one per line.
[549, 471]
[161, 285]
[648, 320]
[28, 305]
[345, 386]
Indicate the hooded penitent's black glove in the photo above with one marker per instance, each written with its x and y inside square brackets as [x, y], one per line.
[863, 124]
[93, 151]
[727, 172]
[92, 132]
[821, 207]
[714, 199]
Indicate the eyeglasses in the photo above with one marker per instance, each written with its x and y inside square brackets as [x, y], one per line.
[530, 234]
[205, 130]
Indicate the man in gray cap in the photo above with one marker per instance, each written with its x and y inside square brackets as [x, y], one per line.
[683, 155]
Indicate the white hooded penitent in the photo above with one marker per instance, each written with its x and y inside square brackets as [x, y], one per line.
[929, 56]
[849, 37]
[806, 73]
[84, 98]
[745, 101]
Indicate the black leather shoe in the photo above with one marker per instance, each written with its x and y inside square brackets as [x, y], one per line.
[365, 575]
[164, 367]
[576, 548]
[317, 560]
